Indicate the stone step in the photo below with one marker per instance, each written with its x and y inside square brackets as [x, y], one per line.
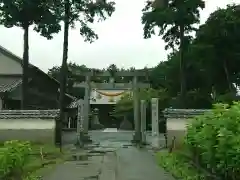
[110, 130]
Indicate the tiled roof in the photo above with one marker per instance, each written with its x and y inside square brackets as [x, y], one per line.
[8, 84]
[17, 114]
[75, 103]
[178, 113]
[19, 59]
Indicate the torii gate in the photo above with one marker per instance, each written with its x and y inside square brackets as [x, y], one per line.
[134, 85]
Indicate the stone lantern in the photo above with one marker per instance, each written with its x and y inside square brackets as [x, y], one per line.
[95, 124]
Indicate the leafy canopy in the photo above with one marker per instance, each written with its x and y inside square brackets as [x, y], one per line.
[168, 19]
[85, 12]
[43, 14]
[217, 43]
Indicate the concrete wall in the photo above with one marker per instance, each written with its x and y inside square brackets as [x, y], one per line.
[29, 129]
[9, 66]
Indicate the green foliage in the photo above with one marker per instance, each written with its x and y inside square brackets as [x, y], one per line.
[211, 62]
[228, 98]
[178, 166]
[214, 140]
[217, 43]
[13, 156]
[169, 18]
[85, 12]
[194, 99]
[125, 104]
[112, 69]
[44, 15]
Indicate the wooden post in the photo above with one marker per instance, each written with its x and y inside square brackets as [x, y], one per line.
[143, 122]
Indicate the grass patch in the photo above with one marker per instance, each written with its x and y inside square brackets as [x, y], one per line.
[42, 159]
[178, 166]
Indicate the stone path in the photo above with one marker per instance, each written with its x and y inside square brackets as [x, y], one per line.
[110, 158]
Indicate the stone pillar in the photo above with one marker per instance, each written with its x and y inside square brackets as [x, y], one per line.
[155, 127]
[86, 105]
[86, 111]
[80, 120]
[1, 103]
[137, 122]
[143, 121]
[69, 123]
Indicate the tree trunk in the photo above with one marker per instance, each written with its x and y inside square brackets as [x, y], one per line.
[63, 73]
[25, 76]
[227, 75]
[182, 66]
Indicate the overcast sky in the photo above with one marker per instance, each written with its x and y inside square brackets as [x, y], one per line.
[120, 41]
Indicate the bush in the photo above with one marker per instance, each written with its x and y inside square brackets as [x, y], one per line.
[178, 166]
[13, 156]
[214, 140]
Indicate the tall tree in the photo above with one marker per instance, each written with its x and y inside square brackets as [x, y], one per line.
[42, 14]
[83, 12]
[175, 20]
[71, 78]
[217, 47]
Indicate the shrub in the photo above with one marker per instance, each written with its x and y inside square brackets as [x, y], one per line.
[178, 166]
[13, 156]
[214, 140]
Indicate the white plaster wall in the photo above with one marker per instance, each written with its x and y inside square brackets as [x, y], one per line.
[177, 124]
[176, 127]
[27, 124]
[34, 130]
[9, 66]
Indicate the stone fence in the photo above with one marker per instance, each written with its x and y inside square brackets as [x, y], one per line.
[177, 120]
[30, 125]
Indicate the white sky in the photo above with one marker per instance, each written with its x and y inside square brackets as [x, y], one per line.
[120, 41]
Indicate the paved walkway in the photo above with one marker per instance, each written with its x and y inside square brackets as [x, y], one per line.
[139, 164]
[111, 158]
[93, 167]
[123, 164]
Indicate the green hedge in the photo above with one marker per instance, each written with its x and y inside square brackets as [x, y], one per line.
[214, 141]
[14, 155]
[178, 166]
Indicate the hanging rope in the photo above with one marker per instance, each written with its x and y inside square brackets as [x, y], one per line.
[110, 94]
